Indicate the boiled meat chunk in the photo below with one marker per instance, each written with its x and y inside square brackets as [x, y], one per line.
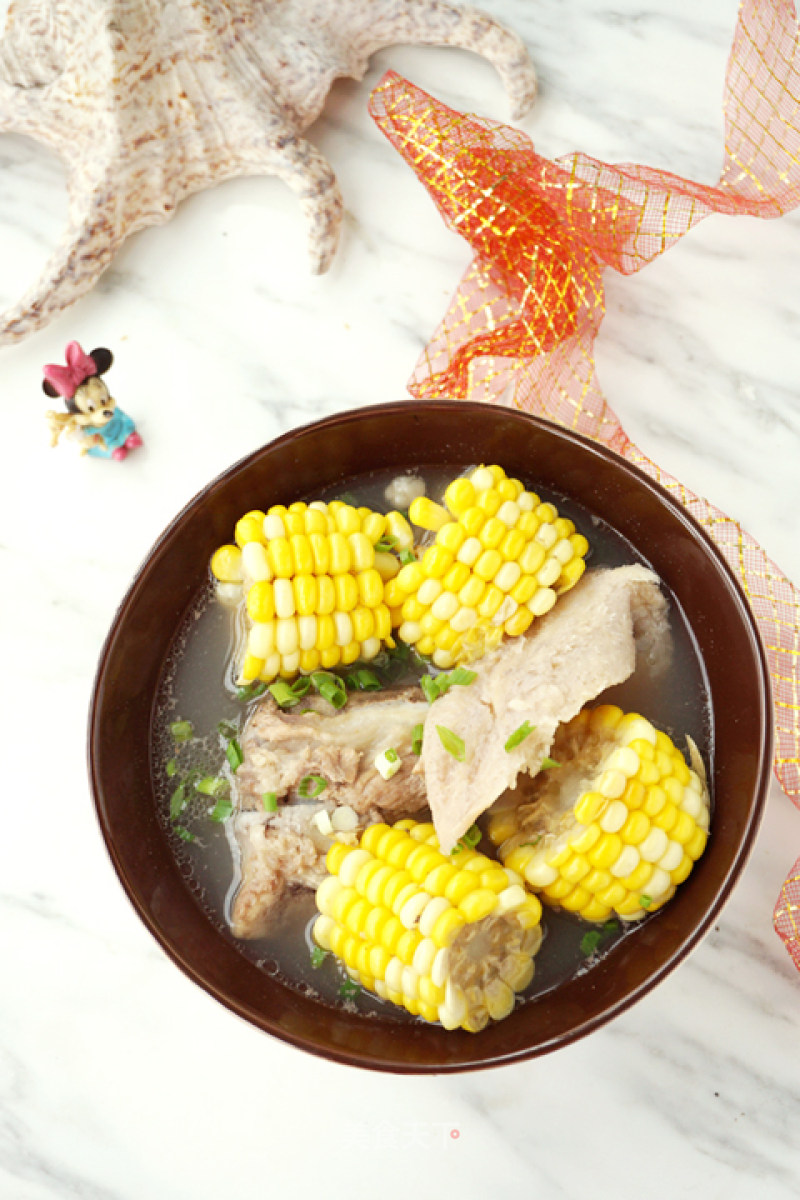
[586, 644]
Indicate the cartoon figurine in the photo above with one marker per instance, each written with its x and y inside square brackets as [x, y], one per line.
[92, 416]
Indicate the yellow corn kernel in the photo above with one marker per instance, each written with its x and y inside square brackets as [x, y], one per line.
[492, 599]
[373, 526]
[340, 556]
[346, 590]
[398, 528]
[459, 496]
[473, 521]
[451, 537]
[314, 521]
[519, 622]
[363, 623]
[302, 553]
[320, 548]
[326, 633]
[280, 558]
[362, 551]
[436, 562]
[249, 528]
[305, 594]
[492, 533]
[386, 565]
[326, 595]
[251, 668]
[260, 601]
[532, 558]
[488, 565]
[427, 514]
[226, 564]
[309, 661]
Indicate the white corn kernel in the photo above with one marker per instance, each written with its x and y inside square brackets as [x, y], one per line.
[672, 856]
[286, 636]
[506, 610]
[409, 632]
[563, 551]
[470, 552]
[628, 861]
[433, 910]
[508, 513]
[482, 479]
[507, 576]
[526, 501]
[254, 562]
[440, 967]
[463, 620]
[370, 648]
[274, 526]
[542, 601]
[511, 898]
[424, 956]
[548, 573]
[428, 592]
[307, 632]
[352, 864]
[658, 883]
[654, 845]
[344, 628]
[284, 598]
[290, 664]
[546, 536]
[445, 606]
[409, 983]
[412, 909]
[443, 659]
[394, 974]
[261, 638]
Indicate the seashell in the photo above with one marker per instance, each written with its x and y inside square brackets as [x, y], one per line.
[148, 101]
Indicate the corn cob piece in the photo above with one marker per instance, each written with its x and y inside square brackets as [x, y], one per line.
[500, 558]
[451, 938]
[311, 584]
[616, 827]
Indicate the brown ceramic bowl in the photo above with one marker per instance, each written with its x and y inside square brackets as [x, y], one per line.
[401, 436]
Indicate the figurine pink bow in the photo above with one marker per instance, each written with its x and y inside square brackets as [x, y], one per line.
[66, 380]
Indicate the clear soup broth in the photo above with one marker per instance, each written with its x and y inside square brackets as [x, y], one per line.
[198, 686]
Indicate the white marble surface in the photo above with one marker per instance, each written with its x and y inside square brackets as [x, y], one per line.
[121, 1079]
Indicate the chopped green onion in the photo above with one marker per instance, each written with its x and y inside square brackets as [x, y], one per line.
[368, 681]
[535, 841]
[184, 834]
[610, 926]
[548, 763]
[233, 753]
[388, 763]
[407, 556]
[318, 956]
[469, 841]
[177, 802]
[645, 901]
[227, 729]
[590, 941]
[311, 786]
[269, 801]
[251, 691]
[349, 989]
[330, 687]
[222, 809]
[416, 739]
[429, 687]
[387, 542]
[452, 743]
[283, 694]
[171, 768]
[519, 735]
[211, 785]
[182, 731]
[462, 677]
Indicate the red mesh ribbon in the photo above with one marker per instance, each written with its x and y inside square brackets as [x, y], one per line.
[521, 327]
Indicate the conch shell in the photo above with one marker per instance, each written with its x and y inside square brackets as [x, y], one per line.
[147, 101]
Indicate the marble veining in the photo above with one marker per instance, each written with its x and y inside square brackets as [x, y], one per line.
[120, 1078]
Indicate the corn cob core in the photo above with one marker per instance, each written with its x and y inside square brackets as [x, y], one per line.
[451, 938]
[500, 559]
[313, 587]
[616, 827]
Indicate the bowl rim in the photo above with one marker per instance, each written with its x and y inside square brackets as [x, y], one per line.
[348, 1056]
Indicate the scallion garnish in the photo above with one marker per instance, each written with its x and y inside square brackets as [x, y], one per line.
[283, 694]
[211, 785]
[429, 688]
[462, 677]
[349, 989]
[269, 801]
[469, 841]
[452, 743]
[518, 736]
[222, 809]
[330, 687]
[177, 802]
[311, 786]
[406, 557]
[547, 764]
[251, 691]
[368, 681]
[387, 542]
[233, 753]
[645, 901]
[590, 941]
[182, 731]
[416, 739]
[184, 834]
[318, 956]
[227, 729]
[171, 768]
